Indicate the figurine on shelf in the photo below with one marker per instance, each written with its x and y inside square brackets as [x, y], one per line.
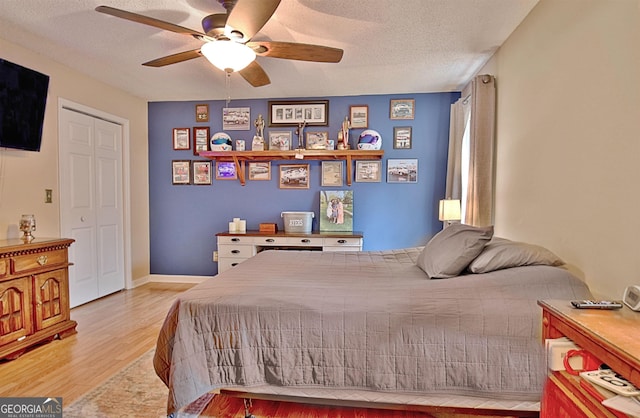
[300, 133]
[343, 135]
[258, 139]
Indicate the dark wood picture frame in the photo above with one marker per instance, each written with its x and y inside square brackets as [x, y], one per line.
[202, 112]
[294, 112]
[201, 135]
[201, 172]
[180, 172]
[359, 116]
[181, 138]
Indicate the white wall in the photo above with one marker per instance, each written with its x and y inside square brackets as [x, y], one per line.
[24, 176]
[568, 137]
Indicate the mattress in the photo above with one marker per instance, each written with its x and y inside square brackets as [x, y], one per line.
[369, 321]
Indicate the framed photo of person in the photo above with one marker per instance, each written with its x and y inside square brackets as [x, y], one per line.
[336, 210]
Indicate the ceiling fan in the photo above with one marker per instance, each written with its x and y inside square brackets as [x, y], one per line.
[227, 40]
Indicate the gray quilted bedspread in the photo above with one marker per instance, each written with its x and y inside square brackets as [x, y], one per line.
[365, 320]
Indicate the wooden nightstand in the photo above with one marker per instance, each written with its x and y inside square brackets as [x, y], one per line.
[611, 336]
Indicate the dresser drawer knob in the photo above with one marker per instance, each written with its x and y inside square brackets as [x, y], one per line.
[42, 260]
[306, 241]
[270, 240]
[235, 239]
[235, 251]
[234, 264]
[342, 241]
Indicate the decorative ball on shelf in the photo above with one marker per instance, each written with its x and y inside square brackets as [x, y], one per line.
[220, 141]
[369, 140]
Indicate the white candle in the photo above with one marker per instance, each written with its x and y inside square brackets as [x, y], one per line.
[232, 227]
[242, 225]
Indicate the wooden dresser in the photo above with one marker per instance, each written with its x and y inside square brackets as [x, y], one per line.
[34, 293]
[611, 336]
[234, 248]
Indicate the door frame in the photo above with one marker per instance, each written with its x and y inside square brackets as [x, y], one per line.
[126, 175]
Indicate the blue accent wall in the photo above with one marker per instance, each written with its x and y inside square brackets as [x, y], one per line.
[184, 219]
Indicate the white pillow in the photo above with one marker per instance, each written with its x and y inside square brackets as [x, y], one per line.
[501, 253]
[451, 250]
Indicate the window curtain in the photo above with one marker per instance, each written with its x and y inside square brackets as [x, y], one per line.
[474, 113]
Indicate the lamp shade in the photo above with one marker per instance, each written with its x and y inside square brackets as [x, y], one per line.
[228, 55]
[449, 210]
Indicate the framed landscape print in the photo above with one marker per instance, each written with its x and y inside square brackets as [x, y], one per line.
[259, 170]
[201, 172]
[294, 176]
[402, 137]
[402, 171]
[359, 116]
[226, 170]
[369, 171]
[402, 109]
[336, 210]
[180, 171]
[181, 138]
[331, 173]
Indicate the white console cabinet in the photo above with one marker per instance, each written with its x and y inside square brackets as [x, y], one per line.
[234, 248]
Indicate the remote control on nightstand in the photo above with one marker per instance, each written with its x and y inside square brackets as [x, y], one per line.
[596, 304]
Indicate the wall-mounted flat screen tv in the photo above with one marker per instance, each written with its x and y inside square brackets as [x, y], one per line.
[23, 98]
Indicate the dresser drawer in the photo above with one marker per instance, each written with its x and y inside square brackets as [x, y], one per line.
[342, 242]
[28, 262]
[225, 263]
[264, 241]
[4, 267]
[305, 241]
[239, 251]
[235, 240]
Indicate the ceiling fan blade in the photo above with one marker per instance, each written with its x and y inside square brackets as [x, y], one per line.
[255, 75]
[249, 16]
[175, 58]
[146, 20]
[296, 51]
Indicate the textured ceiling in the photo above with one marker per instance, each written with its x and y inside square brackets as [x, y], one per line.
[390, 46]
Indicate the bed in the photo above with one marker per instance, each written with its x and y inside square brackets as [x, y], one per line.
[455, 318]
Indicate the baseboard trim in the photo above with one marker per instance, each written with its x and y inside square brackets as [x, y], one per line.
[161, 278]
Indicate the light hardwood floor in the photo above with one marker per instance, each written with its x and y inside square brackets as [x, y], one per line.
[112, 332]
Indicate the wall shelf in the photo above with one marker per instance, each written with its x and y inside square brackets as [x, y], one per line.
[240, 157]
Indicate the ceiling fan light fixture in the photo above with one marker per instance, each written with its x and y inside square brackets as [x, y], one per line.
[228, 55]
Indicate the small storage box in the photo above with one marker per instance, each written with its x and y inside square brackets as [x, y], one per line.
[297, 222]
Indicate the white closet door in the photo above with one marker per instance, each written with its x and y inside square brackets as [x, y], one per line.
[91, 204]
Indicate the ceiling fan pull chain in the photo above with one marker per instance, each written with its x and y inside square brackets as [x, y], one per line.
[227, 85]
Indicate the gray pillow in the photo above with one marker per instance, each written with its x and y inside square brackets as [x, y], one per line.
[451, 250]
[501, 253]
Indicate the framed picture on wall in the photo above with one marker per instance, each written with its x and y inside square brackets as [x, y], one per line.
[291, 113]
[226, 170]
[181, 138]
[294, 176]
[402, 137]
[236, 118]
[180, 172]
[336, 210]
[369, 171]
[202, 113]
[402, 170]
[402, 109]
[280, 140]
[331, 173]
[201, 172]
[317, 140]
[259, 170]
[200, 139]
[359, 116]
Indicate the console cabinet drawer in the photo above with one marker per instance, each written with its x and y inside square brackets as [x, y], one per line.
[242, 251]
[28, 262]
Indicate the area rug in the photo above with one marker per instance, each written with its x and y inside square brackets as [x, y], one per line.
[134, 392]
